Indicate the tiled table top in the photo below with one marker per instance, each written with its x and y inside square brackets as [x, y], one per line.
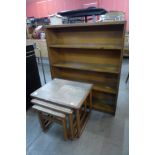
[63, 92]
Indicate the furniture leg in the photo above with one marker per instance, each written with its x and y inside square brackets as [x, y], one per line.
[78, 123]
[41, 121]
[65, 128]
[71, 125]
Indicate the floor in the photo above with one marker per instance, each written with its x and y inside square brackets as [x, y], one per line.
[103, 135]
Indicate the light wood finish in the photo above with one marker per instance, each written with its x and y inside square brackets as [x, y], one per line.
[90, 56]
[92, 53]
[87, 46]
[88, 67]
[58, 115]
[61, 109]
[52, 106]
[76, 36]
[48, 111]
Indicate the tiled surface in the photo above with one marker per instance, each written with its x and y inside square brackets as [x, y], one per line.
[103, 135]
[63, 92]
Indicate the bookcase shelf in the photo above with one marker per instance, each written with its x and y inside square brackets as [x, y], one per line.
[89, 53]
[90, 67]
[87, 46]
[101, 105]
[104, 89]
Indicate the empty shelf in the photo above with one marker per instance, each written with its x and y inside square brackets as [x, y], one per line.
[88, 46]
[101, 105]
[106, 68]
[105, 89]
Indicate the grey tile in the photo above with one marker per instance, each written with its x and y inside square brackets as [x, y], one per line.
[95, 121]
[126, 138]
[33, 129]
[88, 144]
[85, 145]
[45, 143]
[110, 148]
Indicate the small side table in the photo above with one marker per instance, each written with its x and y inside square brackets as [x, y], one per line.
[73, 95]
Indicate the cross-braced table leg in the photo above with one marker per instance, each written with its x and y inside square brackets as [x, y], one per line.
[78, 123]
[81, 121]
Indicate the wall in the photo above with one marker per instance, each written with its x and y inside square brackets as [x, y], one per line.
[43, 8]
[88, 3]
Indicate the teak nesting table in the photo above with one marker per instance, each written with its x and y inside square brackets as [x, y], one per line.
[61, 98]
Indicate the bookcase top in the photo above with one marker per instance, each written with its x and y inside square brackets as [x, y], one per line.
[87, 24]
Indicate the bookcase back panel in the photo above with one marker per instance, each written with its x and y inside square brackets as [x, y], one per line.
[91, 56]
[54, 55]
[101, 81]
[51, 37]
[88, 35]
[105, 83]
[104, 97]
[102, 105]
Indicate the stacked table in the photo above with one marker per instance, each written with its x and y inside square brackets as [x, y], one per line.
[65, 98]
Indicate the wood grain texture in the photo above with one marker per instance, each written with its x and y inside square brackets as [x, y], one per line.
[101, 81]
[61, 109]
[89, 53]
[59, 117]
[106, 68]
[86, 36]
[87, 46]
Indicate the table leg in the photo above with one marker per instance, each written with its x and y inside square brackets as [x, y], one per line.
[65, 128]
[78, 123]
[71, 125]
[41, 121]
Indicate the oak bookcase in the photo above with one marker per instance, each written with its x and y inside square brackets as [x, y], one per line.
[90, 52]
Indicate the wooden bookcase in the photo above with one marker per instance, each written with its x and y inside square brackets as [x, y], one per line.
[89, 53]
